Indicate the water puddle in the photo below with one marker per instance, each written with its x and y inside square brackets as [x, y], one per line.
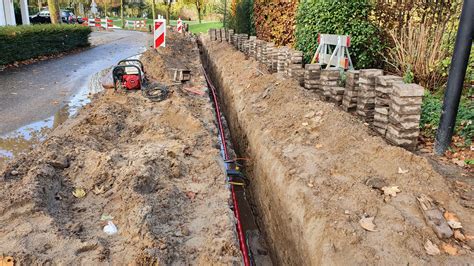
[29, 136]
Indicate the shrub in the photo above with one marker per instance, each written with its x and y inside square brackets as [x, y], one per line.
[25, 42]
[431, 114]
[349, 17]
[275, 20]
[241, 19]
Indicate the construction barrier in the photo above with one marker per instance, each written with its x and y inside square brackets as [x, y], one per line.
[159, 33]
[340, 57]
[105, 23]
[135, 24]
[179, 25]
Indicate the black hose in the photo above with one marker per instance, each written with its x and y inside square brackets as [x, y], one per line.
[156, 92]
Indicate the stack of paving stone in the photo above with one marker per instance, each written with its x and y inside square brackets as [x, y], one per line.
[274, 64]
[242, 38]
[252, 46]
[404, 116]
[329, 78]
[267, 54]
[337, 93]
[366, 94]
[260, 45]
[246, 46]
[349, 101]
[218, 35]
[231, 35]
[282, 59]
[223, 35]
[212, 34]
[294, 65]
[312, 74]
[383, 90]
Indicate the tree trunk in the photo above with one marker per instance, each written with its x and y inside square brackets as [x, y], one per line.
[105, 7]
[121, 14]
[40, 5]
[198, 7]
[153, 7]
[168, 13]
[53, 6]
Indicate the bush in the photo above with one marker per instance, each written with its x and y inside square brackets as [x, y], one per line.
[25, 42]
[275, 20]
[431, 114]
[241, 19]
[348, 17]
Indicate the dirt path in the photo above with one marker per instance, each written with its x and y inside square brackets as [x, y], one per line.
[152, 168]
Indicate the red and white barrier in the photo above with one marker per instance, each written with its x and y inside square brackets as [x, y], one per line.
[105, 23]
[136, 24]
[179, 25]
[159, 33]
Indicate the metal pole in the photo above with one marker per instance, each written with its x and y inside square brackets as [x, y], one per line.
[457, 73]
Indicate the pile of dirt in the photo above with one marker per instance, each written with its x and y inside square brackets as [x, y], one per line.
[153, 169]
[329, 190]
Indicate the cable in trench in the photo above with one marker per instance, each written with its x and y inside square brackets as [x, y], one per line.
[242, 241]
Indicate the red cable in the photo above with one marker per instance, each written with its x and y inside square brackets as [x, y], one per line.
[240, 231]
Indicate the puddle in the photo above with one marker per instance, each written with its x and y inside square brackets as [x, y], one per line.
[29, 136]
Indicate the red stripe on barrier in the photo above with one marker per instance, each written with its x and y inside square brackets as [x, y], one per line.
[159, 41]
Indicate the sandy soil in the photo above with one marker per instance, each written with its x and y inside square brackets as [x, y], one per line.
[152, 168]
[316, 171]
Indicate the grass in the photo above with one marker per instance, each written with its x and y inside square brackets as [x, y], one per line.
[194, 25]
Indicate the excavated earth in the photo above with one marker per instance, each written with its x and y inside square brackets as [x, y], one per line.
[151, 168]
[316, 172]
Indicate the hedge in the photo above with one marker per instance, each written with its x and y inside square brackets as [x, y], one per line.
[275, 20]
[350, 17]
[25, 42]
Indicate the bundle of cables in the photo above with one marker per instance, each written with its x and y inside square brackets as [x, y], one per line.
[155, 91]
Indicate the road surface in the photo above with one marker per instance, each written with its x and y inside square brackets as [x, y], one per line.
[41, 95]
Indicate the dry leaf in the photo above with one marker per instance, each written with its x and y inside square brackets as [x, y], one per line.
[391, 191]
[449, 216]
[450, 249]
[402, 171]
[99, 190]
[319, 146]
[79, 193]
[368, 223]
[459, 236]
[455, 224]
[431, 249]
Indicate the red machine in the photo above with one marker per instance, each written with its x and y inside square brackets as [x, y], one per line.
[128, 75]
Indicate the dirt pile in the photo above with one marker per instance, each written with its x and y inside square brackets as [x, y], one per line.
[329, 190]
[151, 168]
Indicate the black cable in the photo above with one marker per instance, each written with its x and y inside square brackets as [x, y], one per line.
[155, 91]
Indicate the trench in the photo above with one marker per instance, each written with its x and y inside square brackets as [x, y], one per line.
[238, 182]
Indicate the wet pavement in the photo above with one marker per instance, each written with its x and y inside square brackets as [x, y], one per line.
[35, 99]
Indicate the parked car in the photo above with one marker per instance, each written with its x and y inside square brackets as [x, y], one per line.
[44, 17]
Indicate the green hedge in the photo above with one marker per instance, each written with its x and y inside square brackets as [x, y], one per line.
[25, 42]
[349, 17]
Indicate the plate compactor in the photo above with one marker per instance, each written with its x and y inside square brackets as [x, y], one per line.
[129, 75]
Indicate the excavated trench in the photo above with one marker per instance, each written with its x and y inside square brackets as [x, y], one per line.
[311, 169]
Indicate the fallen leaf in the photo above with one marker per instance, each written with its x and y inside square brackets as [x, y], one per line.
[450, 249]
[454, 224]
[106, 217]
[459, 236]
[431, 249]
[99, 190]
[319, 146]
[310, 184]
[79, 193]
[449, 216]
[391, 191]
[402, 171]
[368, 223]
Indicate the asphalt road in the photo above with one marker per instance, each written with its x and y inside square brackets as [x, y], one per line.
[33, 93]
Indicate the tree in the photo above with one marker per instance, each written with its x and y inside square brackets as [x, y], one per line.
[153, 9]
[199, 7]
[53, 6]
[168, 10]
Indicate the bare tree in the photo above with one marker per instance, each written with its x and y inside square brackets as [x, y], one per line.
[53, 6]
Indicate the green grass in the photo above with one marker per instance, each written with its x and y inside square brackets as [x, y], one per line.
[194, 25]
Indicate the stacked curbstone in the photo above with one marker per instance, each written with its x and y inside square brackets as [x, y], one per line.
[366, 94]
[260, 46]
[274, 64]
[231, 35]
[404, 117]
[281, 62]
[252, 47]
[212, 34]
[294, 66]
[337, 93]
[329, 78]
[267, 55]
[383, 90]
[312, 75]
[223, 35]
[349, 101]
